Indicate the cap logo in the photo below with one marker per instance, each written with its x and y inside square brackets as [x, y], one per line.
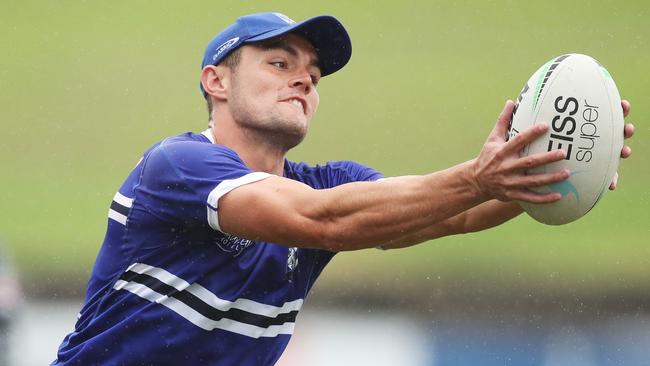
[285, 18]
[224, 46]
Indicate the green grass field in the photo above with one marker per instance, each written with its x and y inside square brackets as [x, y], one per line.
[87, 87]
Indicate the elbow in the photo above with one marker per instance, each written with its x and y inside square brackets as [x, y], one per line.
[326, 230]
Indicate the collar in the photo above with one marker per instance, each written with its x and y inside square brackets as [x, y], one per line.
[208, 133]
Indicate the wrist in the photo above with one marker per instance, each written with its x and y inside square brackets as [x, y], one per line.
[472, 181]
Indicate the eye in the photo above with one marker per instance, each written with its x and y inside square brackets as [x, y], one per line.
[315, 79]
[279, 64]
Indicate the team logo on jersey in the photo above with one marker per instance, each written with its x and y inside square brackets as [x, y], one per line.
[292, 263]
[232, 244]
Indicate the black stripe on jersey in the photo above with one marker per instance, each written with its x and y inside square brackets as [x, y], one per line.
[205, 309]
[149, 281]
[119, 208]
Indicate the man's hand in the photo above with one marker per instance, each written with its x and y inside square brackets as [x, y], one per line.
[628, 132]
[499, 171]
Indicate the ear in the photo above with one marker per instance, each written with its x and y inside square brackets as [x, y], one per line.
[216, 81]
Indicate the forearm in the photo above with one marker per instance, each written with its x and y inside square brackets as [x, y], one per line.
[490, 214]
[394, 207]
[484, 216]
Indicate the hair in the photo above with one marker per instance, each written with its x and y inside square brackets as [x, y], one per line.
[231, 61]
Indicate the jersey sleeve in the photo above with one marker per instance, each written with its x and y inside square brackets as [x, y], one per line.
[342, 172]
[182, 182]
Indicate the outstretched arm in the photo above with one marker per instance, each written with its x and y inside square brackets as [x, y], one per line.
[361, 215]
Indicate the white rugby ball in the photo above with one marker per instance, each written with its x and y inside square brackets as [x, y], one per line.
[578, 98]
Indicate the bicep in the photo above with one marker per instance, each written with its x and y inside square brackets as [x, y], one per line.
[274, 209]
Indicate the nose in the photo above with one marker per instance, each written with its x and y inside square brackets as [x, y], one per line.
[302, 82]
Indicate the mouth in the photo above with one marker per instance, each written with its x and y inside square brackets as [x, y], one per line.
[299, 103]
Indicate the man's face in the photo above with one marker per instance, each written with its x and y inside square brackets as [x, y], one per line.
[273, 89]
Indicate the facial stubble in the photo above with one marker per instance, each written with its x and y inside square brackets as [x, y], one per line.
[268, 125]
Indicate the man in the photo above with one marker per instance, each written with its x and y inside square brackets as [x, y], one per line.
[215, 239]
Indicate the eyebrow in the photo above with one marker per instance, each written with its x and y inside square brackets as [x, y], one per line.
[282, 44]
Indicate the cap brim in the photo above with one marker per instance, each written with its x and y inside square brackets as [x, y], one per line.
[326, 34]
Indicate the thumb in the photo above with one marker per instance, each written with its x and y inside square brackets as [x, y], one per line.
[501, 127]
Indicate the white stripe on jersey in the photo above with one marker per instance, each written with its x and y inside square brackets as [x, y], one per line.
[112, 214]
[201, 321]
[225, 187]
[210, 298]
[123, 200]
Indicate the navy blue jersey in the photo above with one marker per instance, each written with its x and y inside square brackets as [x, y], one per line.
[170, 288]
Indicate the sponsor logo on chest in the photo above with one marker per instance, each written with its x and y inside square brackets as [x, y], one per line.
[233, 245]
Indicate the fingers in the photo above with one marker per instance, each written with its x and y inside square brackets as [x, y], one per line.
[525, 137]
[535, 160]
[533, 197]
[517, 186]
[626, 152]
[538, 180]
[626, 107]
[628, 130]
[614, 183]
[501, 127]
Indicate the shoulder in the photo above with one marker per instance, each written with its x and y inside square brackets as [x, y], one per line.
[190, 154]
[189, 144]
[189, 148]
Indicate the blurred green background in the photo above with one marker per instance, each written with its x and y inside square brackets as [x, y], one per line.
[86, 87]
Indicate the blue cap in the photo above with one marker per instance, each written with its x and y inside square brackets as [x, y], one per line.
[326, 34]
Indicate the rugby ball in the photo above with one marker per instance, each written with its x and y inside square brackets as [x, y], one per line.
[578, 98]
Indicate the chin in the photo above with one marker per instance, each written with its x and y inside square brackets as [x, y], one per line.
[290, 132]
[290, 138]
[282, 130]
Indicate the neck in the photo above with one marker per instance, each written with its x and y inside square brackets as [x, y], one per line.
[257, 152]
